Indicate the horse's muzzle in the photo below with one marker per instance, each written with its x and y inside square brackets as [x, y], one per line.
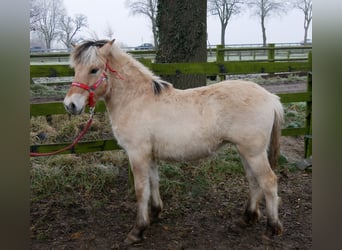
[72, 109]
[74, 105]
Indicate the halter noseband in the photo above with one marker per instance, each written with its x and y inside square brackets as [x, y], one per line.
[91, 89]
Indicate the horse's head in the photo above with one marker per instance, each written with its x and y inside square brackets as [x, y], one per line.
[89, 60]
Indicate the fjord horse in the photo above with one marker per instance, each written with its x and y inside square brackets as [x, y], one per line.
[154, 121]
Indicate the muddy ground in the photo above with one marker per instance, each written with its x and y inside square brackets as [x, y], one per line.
[206, 221]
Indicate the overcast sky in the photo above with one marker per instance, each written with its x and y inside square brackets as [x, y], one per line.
[134, 30]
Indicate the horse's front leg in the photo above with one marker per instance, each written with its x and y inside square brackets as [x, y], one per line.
[140, 168]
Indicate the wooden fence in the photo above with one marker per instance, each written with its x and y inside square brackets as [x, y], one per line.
[272, 63]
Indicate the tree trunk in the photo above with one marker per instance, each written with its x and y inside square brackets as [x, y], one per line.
[305, 35]
[223, 33]
[263, 31]
[306, 27]
[182, 27]
[155, 35]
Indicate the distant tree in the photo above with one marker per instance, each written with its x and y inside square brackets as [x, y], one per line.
[265, 9]
[93, 35]
[225, 10]
[109, 32]
[69, 27]
[182, 31]
[50, 12]
[306, 7]
[34, 14]
[147, 8]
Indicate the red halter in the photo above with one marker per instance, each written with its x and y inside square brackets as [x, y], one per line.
[91, 89]
[91, 103]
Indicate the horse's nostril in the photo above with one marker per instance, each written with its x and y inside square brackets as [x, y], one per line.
[72, 106]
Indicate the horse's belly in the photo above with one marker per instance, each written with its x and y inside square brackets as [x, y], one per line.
[185, 148]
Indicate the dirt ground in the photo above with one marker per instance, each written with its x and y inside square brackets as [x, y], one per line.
[207, 222]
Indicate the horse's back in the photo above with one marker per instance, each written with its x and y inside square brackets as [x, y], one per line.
[235, 101]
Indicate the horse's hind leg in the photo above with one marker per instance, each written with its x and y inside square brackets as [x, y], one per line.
[252, 212]
[267, 181]
[156, 203]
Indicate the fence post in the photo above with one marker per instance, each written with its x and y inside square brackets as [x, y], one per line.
[271, 52]
[308, 125]
[220, 58]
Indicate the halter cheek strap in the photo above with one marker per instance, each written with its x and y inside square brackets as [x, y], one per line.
[115, 72]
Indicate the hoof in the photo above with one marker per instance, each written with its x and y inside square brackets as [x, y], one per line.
[134, 236]
[250, 217]
[155, 214]
[273, 228]
[241, 223]
[130, 240]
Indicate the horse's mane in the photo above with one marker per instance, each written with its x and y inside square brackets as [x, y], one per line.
[86, 54]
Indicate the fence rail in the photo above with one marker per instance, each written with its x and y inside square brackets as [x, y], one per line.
[282, 52]
[220, 67]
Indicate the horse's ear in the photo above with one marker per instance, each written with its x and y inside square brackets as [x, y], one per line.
[105, 49]
[74, 46]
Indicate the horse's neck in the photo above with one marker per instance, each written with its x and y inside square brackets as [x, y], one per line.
[126, 62]
[131, 83]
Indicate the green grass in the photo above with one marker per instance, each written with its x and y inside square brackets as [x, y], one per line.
[195, 178]
[294, 114]
[87, 173]
[97, 172]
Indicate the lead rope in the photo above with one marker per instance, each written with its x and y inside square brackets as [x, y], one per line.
[77, 139]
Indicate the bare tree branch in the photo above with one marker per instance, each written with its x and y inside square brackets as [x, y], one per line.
[69, 27]
[109, 32]
[50, 12]
[147, 8]
[225, 10]
[34, 14]
[265, 9]
[306, 7]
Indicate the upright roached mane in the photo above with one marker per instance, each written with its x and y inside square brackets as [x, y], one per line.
[154, 121]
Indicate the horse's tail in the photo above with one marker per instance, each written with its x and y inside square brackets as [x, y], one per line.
[274, 145]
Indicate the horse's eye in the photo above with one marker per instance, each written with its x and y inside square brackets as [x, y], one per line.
[94, 71]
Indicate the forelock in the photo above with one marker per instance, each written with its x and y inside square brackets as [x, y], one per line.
[86, 53]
